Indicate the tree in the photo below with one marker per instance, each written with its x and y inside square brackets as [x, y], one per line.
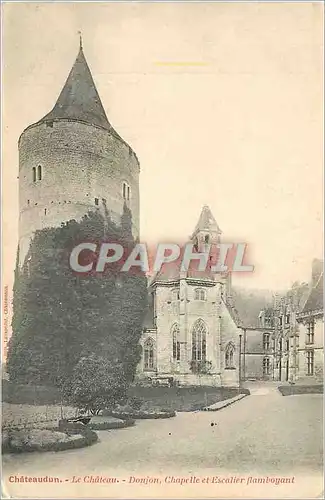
[95, 384]
[61, 318]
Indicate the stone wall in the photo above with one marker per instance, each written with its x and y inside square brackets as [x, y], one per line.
[317, 347]
[229, 334]
[185, 311]
[252, 360]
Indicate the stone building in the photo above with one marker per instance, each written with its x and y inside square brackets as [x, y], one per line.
[72, 161]
[191, 333]
[287, 345]
[311, 330]
[257, 354]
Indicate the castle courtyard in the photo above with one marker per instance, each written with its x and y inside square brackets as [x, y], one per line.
[263, 436]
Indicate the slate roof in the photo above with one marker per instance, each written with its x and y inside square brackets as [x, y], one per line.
[172, 271]
[79, 99]
[249, 303]
[206, 222]
[315, 299]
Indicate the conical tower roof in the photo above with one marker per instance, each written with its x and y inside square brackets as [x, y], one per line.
[79, 99]
[206, 222]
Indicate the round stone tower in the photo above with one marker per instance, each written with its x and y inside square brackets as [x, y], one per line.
[73, 161]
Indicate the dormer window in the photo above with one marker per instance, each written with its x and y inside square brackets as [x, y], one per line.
[200, 294]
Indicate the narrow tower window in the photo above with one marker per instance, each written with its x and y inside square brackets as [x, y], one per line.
[96, 201]
[39, 172]
[126, 191]
[45, 211]
[34, 174]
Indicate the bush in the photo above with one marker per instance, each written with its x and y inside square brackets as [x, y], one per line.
[59, 317]
[144, 414]
[19, 441]
[96, 383]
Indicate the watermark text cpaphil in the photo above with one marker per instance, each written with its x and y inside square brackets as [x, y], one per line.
[89, 257]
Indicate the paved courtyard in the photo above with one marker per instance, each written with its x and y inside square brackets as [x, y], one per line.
[263, 435]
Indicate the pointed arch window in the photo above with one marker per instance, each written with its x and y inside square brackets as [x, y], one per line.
[39, 172]
[176, 343]
[149, 354]
[229, 356]
[200, 294]
[199, 334]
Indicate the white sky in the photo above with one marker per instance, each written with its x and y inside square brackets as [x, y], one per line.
[221, 102]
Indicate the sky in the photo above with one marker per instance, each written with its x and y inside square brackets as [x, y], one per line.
[222, 102]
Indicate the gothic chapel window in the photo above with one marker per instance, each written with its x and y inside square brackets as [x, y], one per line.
[229, 358]
[176, 343]
[149, 354]
[199, 341]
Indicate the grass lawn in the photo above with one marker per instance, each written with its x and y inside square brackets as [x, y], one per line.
[45, 401]
[291, 390]
[29, 394]
[33, 415]
[182, 398]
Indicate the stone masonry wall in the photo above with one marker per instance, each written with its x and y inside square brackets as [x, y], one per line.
[80, 162]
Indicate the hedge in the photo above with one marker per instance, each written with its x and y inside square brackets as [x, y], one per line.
[103, 426]
[143, 415]
[30, 394]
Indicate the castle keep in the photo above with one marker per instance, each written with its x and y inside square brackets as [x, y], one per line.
[72, 161]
